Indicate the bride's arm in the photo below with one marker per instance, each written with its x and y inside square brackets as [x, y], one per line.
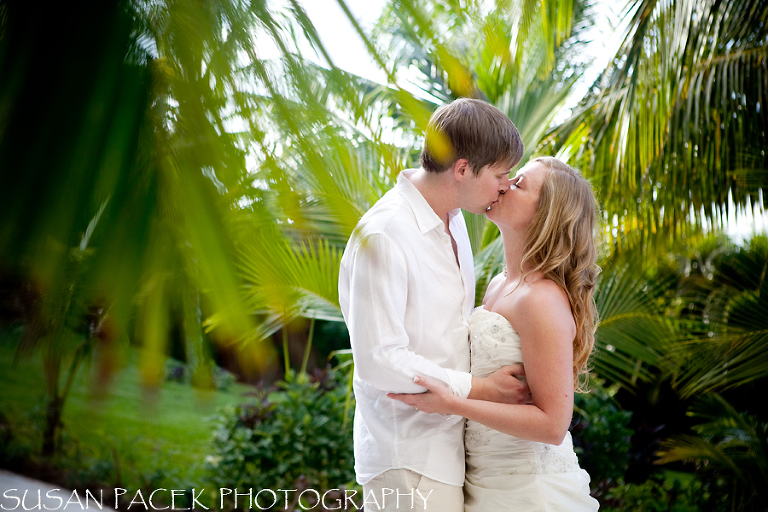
[545, 323]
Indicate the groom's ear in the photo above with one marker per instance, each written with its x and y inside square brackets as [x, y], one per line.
[462, 169]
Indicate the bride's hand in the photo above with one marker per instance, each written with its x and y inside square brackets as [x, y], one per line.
[437, 399]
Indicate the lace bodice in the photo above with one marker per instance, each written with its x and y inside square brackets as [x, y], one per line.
[495, 343]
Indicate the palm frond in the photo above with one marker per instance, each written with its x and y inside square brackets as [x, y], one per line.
[732, 349]
[633, 335]
[677, 127]
[727, 442]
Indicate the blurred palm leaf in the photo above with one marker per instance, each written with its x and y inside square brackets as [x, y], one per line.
[154, 115]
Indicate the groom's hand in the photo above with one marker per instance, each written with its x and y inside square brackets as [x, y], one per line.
[506, 385]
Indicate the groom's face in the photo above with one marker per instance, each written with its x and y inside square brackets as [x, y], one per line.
[517, 207]
[482, 190]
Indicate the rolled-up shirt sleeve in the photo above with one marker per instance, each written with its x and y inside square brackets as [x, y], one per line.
[373, 291]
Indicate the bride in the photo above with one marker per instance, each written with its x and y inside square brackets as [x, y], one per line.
[540, 312]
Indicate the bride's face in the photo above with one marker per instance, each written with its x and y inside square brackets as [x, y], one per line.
[517, 207]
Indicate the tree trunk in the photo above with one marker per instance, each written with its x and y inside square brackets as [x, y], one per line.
[53, 425]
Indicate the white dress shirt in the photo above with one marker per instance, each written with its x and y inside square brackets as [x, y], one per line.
[406, 303]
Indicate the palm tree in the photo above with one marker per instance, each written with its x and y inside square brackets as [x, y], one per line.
[674, 133]
[67, 324]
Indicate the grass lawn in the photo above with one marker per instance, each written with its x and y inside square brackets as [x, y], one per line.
[154, 438]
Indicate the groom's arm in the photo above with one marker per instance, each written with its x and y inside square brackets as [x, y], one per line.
[373, 291]
[506, 385]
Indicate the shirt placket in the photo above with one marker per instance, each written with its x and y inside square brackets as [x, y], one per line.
[465, 298]
[455, 259]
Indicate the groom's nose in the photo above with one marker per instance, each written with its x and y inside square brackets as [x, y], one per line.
[504, 185]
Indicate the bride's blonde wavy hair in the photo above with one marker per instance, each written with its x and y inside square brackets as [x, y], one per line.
[560, 244]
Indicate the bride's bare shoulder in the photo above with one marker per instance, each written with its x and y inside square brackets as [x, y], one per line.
[538, 299]
[545, 303]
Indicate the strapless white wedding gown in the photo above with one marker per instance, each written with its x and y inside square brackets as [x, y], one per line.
[505, 473]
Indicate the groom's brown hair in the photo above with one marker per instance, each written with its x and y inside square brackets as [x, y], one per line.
[470, 129]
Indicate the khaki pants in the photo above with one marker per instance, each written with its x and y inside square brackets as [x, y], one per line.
[403, 489]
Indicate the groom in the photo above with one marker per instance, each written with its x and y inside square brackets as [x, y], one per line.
[406, 288]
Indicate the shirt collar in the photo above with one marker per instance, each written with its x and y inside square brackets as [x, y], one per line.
[426, 218]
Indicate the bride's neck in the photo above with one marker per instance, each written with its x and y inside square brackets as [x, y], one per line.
[513, 254]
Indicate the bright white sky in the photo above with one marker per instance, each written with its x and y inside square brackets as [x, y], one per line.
[349, 53]
[339, 36]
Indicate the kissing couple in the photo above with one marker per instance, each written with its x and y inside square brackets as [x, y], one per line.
[471, 406]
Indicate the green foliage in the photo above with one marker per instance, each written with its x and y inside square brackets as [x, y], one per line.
[726, 289]
[673, 134]
[728, 446]
[601, 434]
[107, 464]
[675, 493]
[87, 464]
[297, 437]
[634, 334]
[93, 462]
[14, 449]
[687, 325]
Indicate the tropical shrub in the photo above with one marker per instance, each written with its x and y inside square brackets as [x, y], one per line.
[729, 449]
[14, 451]
[298, 437]
[601, 434]
[664, 493]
